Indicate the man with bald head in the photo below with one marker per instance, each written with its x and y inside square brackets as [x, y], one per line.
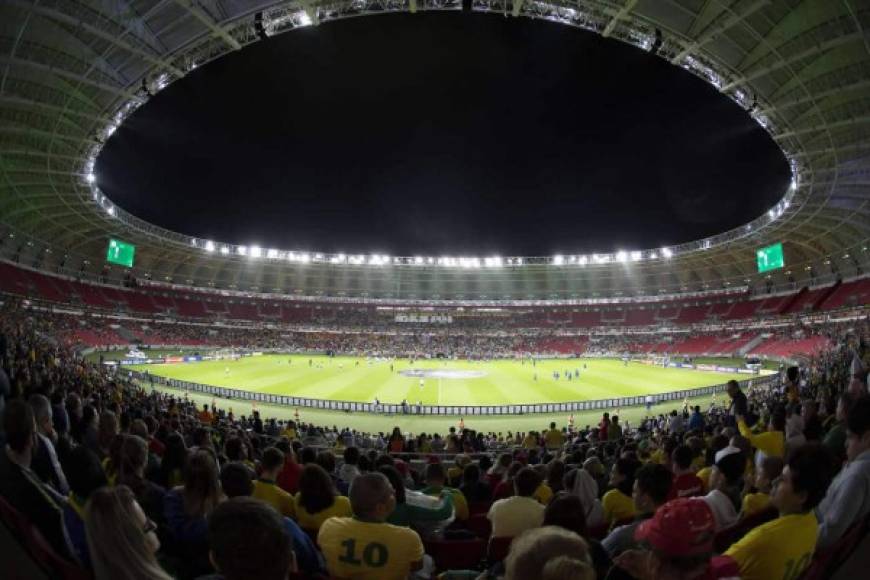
[365, 547]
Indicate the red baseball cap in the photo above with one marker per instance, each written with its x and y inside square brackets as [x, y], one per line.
[681, 527]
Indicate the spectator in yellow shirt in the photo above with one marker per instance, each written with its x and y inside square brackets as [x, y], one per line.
[771, 468]
[365, 547]
[435, 478]
[554, 438]
[771, 443]
[530, 441]
[267, 490]
[454, 474]
[718, 443]
[784, 547]
[317, 500]
[617, 503]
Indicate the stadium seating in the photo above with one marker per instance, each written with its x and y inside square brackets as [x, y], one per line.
[153, 300]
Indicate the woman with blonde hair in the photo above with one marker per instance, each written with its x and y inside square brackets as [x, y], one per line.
[121, 539]
[186, 509]
[549, 552]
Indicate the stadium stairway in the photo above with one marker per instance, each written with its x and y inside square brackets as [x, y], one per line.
[792, 300]
[817, 304]
[750, 345]
[127, 335]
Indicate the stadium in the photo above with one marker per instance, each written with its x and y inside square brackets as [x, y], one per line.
[126, 300]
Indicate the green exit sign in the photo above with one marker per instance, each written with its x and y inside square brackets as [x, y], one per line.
[120, 253]
[769, 258]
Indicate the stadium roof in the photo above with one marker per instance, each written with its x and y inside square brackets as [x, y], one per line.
[70, 72]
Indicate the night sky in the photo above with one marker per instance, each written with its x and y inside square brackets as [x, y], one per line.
[448, 133]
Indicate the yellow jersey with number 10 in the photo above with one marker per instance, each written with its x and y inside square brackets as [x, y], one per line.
[360, 550]
[777, 550]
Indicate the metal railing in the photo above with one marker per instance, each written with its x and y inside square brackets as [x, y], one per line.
[444, 410]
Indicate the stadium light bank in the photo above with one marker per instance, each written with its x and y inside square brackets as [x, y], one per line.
[287, 17]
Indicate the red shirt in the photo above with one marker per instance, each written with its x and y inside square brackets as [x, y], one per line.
[686, 485]
[288, 477]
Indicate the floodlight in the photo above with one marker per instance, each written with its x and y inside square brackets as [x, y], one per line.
[304, 258]
[418, 259]
[256, 251]
[209, 246]
[430, 260]
[304, 19]
[91, 177]
[621, 256]
[225, 250]
[582, 260]
[111, 210]
[242, 251]
[667, 252]
[635, 256]
[558, 260]
[272, 254]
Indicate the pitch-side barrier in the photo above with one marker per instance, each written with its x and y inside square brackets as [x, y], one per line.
[448, 410]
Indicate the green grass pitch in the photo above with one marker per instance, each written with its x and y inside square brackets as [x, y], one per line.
[500, 382]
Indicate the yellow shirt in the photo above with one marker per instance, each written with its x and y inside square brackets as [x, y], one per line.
[543, 494]
[339, 508]
[358, 550]
[530, 442]
[460, 504]
[275, 496]
[769, 443]
[754, 503]
[553, 439]
[782, 548]
[704, 475]
[617, 507]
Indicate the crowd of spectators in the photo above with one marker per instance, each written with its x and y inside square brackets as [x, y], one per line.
[480, 343]
[126, 482]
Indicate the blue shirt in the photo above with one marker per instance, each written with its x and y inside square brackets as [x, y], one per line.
[308, 557]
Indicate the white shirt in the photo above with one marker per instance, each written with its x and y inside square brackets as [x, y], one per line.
[512, 516]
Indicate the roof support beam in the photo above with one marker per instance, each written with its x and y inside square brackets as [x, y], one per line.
[205, 19]
[113, 39]
[623, 12]
[713, 31]
[822, 127]
[122, 92]
[811, 51]
[517, 6]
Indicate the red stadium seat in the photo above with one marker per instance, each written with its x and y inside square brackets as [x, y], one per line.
[456, 554]
[497, 549]
[480, 525]
[38, 547]
[826, 561]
